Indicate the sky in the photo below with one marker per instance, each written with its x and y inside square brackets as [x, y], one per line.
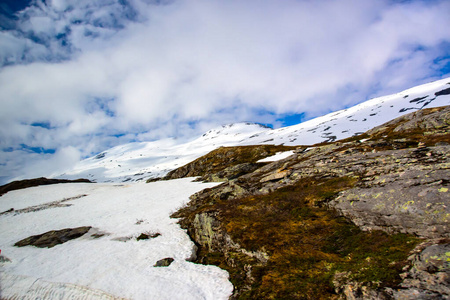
[80, 76]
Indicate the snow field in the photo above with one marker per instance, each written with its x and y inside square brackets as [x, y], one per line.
[115, 263]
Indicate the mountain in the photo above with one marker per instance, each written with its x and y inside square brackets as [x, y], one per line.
[139, 161]
[366, 217]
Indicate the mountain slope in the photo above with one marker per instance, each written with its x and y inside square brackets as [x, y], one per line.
[137, 161]
[336, 219]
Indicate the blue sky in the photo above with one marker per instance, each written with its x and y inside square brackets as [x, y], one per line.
[80, 76]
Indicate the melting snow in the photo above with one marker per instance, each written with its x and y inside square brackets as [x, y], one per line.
[107, 262]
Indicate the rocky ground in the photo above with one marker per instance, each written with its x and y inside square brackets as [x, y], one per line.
[21, 184]
[361, 218]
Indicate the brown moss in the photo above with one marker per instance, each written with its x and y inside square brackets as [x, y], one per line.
[225, 157]
[307, 244]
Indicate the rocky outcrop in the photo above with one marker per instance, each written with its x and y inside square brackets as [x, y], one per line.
[231, 172]
[429, 274]
[394, 178]
[426, 276]
[433, 120]
[401, 191]
[49, 205]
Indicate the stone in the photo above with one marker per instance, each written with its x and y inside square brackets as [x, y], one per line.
[165, 262]
[279, 174]
[429, 274]
[52, 238]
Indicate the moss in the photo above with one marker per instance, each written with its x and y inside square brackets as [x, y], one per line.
[307, 244]
[225, 157]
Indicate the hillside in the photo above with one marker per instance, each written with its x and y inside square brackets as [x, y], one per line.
[337, 218]
[144, 160]
[346, 206]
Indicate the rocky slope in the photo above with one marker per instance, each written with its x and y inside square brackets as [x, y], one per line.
[361, 218]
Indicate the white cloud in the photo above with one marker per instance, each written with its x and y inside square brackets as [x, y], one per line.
[151, 70]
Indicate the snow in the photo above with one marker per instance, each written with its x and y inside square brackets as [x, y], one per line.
[277, 156]
[140, 161]
[114, 265]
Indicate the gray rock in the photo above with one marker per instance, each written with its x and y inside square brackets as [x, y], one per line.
[401, 195]
[53, 238]
[429, 274]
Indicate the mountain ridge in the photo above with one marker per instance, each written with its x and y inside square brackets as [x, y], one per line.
[144, 160]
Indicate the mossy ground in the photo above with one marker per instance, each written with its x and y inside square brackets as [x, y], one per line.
[307, 244]
[225, 157]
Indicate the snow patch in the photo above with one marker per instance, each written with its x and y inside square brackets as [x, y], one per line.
[278, 156]
[95, 265]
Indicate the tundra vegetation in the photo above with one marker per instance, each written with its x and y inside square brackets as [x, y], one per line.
[291, 229]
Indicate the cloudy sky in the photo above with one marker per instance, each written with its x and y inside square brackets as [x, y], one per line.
[80, 76]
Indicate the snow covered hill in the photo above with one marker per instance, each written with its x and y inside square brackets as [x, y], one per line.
[138, 161]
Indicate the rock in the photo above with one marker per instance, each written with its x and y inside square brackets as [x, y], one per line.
[391, 183]
[279, 174]
[401, 198]
[153, 179]
[226, 163]
[435, 120]
[146, 236]
[53, 238]
[232, 172]
[206, 230]
[7, 211]
[429, 274]
[165, 262]
[4, 259]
